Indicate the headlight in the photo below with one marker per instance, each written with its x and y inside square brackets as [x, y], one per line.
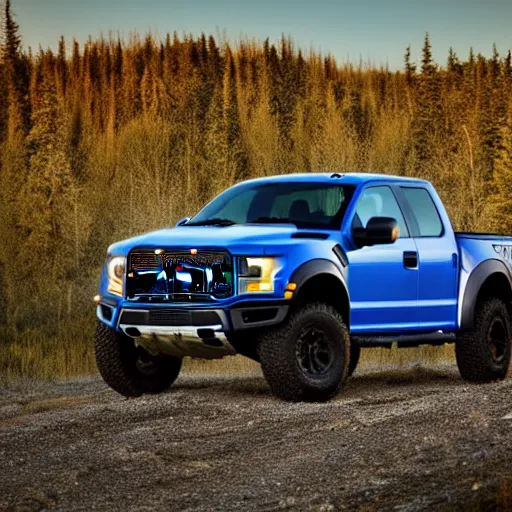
[256, 275]
[115, 271]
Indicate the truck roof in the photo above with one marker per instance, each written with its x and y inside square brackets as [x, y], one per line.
[351, 178]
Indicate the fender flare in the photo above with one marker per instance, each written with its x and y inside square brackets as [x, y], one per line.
[475, 282]
[316, 267]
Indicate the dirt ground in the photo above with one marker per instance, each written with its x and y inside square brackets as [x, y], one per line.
[415, 439]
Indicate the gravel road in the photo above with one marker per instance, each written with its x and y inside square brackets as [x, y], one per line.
[416, 439]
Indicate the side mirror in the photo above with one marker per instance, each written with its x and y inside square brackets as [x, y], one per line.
[182, 221]
[378, 231]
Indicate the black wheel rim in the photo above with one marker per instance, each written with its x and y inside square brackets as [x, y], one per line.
[497, 340]
[314, 352]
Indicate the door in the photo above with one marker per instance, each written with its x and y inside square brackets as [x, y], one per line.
[383, 279]
[438, 262]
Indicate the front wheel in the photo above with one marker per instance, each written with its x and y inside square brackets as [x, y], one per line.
[131, 370]
[483, 354]
[306, 359]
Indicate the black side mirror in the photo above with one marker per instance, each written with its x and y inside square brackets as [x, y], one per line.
[378, 231]
[182, 221]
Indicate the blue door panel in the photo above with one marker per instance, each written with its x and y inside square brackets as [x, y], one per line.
[383, 293]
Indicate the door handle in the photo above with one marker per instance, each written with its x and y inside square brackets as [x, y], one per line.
[410, 259]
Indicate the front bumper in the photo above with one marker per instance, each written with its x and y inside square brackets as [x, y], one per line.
[185, 331]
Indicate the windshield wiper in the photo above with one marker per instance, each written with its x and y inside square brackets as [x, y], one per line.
[211, 222]
[271, 220]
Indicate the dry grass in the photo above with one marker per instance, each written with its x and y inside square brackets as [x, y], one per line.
[407, 357]
[37, 355]
[69, 353]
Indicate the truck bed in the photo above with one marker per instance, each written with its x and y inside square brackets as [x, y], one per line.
[483, 236]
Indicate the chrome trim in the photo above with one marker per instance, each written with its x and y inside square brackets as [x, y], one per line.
[181, 341]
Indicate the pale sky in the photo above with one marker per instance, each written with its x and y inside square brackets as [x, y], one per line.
[371, 30]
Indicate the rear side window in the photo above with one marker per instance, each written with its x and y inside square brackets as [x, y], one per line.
[424, 210]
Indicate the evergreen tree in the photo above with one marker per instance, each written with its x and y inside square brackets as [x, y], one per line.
[428, 67]
[46, 200]
[410, 67]
[502, 198]
[236, 157]
[428, 114]
[16, 69]
[61, 70]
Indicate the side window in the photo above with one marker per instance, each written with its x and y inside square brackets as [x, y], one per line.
[424, 210]
[379, 202]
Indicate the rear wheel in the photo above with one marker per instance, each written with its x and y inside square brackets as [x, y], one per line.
[131, 370]
[306, 359]
[483, 354]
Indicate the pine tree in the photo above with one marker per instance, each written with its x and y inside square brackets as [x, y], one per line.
[428, 115]
[428, 66]
[501, 201]
[152, 88]
[410, 67]
[507, 66]
[16, 70]
[131, 105]
[236, 157]
[61, 70]
[453, 66]
[47, 248]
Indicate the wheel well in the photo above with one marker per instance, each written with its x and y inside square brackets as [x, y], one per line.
[496, 285]
[327, 289]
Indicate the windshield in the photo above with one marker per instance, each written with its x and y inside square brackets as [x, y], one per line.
[305, 204]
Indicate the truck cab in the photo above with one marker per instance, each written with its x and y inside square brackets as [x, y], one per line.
[300, 272]
[399, 293]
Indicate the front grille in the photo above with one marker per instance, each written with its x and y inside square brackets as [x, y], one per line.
[179, 275]
[144, 260]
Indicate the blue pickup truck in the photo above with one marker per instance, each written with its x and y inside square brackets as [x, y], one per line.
[299, 272]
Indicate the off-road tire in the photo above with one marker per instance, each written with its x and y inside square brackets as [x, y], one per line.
[117, 359]
[279, 355]
[475, 357]
[355, 354]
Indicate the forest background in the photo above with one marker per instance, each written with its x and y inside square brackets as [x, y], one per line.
[104, 140]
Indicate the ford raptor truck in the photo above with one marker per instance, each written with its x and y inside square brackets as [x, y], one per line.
[299, 272]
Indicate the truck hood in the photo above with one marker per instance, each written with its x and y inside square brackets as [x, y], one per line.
[238, 239]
